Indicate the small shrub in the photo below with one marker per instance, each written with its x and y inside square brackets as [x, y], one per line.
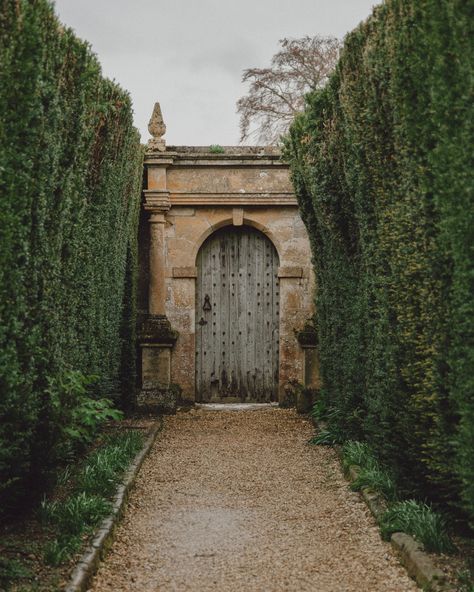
[376, 478]
[84, 510]
[76, 514]
[319, 409]
[326, 437]
[64, 476]
[419, 520]
[77, 413]
[371, 474]
[357, 453]
[331, 433]
[105, 466]
[216, 149]
[60, 549]
[11, 570]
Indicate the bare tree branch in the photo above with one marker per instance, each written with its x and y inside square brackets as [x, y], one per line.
[277, 93]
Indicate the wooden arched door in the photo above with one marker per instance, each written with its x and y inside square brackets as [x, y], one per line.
[237, 317]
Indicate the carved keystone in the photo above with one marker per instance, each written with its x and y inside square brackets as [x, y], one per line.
[157, 129]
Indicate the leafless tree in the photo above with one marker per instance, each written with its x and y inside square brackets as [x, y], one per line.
[276, 93]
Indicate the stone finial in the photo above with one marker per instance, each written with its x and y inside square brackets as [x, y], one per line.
[157, 128]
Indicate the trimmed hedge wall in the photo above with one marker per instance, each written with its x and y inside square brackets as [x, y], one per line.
[382, 163]
[70, 179]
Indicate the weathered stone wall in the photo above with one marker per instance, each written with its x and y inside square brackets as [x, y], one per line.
[200, 192]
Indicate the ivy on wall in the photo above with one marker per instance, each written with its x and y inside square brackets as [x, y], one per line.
[382, 163]
[70, 179]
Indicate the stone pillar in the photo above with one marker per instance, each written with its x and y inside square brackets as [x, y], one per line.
[308, 339]
[157, 337]
[157, 290]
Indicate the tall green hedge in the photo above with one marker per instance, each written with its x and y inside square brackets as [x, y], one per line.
[382, 162]
[70, 177]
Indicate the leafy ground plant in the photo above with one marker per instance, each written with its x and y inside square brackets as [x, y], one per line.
[331, 433]
[326, 437]
[419, 520]
[357, 453]
[10, 571]
[105, 466]
[36, 550]
[371, 473]
[60, 549]
[77, 513]
[377, 479]
[216, 149]
[89, 503]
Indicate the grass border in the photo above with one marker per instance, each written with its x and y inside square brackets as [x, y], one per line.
[89, 562]
[411, 554]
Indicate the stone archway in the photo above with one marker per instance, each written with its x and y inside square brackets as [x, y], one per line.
[192, 192]
[237, 317]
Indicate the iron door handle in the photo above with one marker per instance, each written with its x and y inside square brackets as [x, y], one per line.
[207, 303]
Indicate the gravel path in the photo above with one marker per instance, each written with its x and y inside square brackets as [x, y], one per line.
[237, 500]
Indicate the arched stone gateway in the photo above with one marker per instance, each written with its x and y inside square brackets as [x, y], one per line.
[237, 317]
[198, 202]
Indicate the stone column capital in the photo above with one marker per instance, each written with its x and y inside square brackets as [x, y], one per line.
[157, 201]
[157, 217]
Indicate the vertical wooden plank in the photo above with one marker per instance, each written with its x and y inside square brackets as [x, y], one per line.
[250, 337]
[200, 327]
[206, 315]
[259, 263]
[243, 299]
[216, 316]
[276, 325]
[233, 314]
[197, 330]
[237, 349]
[214, 299]
[267, 332]
[222, 314]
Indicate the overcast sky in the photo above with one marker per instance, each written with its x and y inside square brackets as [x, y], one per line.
[189, 54]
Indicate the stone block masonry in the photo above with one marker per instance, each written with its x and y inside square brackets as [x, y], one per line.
[190, 194]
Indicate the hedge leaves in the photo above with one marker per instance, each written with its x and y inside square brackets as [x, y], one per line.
[70, 176]
[382, 163]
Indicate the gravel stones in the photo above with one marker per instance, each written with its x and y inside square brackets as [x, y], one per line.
[239, 501]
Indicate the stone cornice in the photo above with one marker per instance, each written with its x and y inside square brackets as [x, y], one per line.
[233, 199]
[233, 156]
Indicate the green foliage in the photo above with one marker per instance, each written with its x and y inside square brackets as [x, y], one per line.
[76, 513]
[357, 453]
[381, 162]
[74, 414]
[419, 520]
[321, 409]
[216, 149]
[371, 473]
[10, 571]
[105, 466]
[325, 437]
[89, 503]
[70, 178]
[377, 479]
[59, 550]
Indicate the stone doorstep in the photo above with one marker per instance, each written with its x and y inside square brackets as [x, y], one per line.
[89, 562]
[235, 406]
